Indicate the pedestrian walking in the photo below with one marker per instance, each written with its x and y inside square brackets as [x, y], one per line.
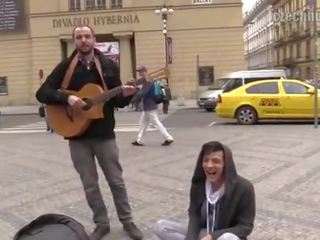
[149, 111]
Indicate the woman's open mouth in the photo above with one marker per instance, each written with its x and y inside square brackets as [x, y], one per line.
[211, 173]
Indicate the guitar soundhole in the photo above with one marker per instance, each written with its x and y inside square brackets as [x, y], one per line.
[88, 105]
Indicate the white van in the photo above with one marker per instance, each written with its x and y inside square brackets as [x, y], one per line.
[234, 80]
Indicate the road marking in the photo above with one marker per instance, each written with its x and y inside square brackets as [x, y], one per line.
[37, 127]
[211, 124]
[40, 127]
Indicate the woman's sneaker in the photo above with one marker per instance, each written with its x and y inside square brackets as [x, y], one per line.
[167, 142]
[136, 143]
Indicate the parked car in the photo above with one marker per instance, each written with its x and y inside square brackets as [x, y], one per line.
[228, 82]
[208, 99]
[237, 79]
[268, 99]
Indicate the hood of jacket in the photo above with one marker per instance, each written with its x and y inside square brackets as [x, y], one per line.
[198, 183]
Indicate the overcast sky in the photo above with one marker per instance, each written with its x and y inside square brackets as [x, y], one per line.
[248, 4]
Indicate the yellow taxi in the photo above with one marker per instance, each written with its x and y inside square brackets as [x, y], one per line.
[268, 99]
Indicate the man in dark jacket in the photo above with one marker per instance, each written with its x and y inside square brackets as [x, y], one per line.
[98, 141]
[222, 203]
[167, 98]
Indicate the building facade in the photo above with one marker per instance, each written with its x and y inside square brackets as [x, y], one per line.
[37, 35]
[295, 44]
[259, 36]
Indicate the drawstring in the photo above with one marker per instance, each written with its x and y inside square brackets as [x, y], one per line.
[213, 217]
[212, 198]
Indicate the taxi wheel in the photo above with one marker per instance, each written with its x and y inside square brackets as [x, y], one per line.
[246, 115]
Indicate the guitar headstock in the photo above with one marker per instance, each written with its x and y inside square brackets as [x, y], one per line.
[161, 73]
[158, 74]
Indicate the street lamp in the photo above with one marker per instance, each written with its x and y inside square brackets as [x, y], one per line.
[314, 35]
[164, 12]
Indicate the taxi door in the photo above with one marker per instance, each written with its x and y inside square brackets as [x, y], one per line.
[265, 97]
[297, 102]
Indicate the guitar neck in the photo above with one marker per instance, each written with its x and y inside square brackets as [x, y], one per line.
[106, 96]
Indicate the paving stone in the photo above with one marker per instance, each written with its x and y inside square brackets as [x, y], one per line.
[37, 177]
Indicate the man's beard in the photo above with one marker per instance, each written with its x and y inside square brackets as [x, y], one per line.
[85, 53]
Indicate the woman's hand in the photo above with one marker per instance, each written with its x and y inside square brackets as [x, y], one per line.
[207, 237]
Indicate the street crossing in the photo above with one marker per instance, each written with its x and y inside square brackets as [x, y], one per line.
[41, 127]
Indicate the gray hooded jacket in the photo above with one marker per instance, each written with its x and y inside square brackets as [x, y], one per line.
[235, 210]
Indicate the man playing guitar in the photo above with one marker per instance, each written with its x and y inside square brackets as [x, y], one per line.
[87, 65]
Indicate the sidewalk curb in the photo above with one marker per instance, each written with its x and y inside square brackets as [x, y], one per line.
[33, 109]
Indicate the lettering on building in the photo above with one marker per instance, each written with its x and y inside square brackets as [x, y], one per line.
[70, 22]
[95, 21]
[115, 19]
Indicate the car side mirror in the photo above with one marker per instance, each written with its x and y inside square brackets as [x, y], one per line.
[311, 91]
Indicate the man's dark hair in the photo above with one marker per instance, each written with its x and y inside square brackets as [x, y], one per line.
[210, 147]
[81, 26]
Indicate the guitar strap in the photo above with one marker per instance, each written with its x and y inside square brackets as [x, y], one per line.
[70, 70]
[98, 66]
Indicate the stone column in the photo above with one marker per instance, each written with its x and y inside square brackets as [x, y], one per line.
[125, 55]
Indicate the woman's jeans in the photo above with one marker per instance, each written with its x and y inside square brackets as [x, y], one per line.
[170, 230]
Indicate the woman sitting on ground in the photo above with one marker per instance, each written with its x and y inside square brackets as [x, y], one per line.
[222, 203]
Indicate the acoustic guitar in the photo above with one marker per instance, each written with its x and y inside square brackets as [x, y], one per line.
[69, 121]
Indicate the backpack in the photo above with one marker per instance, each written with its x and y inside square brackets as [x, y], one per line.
[158, 94]
[42, 111]
[52, 227]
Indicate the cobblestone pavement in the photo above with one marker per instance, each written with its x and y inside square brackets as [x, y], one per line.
[37, 177]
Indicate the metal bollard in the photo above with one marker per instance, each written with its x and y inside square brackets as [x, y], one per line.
[180, 100]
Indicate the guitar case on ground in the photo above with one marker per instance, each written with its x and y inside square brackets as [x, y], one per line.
[52, 227]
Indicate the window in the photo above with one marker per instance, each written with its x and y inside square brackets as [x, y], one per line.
[3, 86]
[90, 4]
[298, 49]
[232, 84]
[294, 88]
[290, 28]
[74, 5]
[277, 33]
[308, 73]
[308, 49]
[264, 88]
[206, 75]
[291, 51]
[249, 80]
[101, 4]
[284, 52]
[201, 1]
[116, 3]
